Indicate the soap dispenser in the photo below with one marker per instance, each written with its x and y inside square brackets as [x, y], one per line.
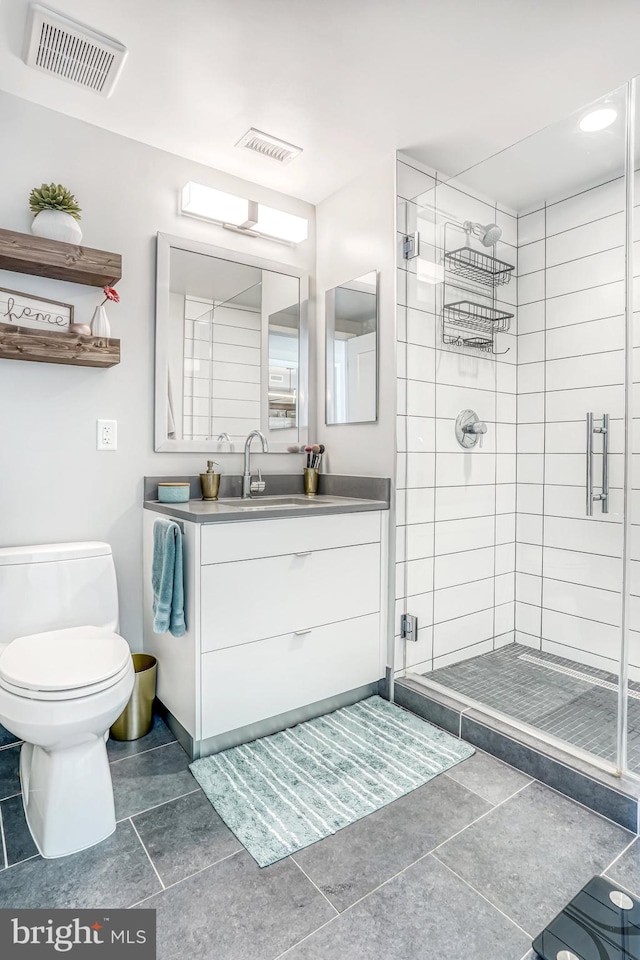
[210, 482]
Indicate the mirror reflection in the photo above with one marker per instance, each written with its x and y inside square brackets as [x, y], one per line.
[228, 353]
[352, 351]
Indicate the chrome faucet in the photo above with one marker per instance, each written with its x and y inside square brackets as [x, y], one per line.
[250, 486]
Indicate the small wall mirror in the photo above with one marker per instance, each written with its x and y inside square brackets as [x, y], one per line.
[231, 349]
[352, 351]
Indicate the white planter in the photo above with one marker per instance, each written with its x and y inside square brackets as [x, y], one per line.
[100, 326]
[56, 225]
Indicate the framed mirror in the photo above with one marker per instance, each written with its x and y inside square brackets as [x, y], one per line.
[231, 349]
[352, 351]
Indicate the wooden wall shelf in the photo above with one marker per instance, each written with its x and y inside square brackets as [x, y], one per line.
[26, 253]
[22, 343]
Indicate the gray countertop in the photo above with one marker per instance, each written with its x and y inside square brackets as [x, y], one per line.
[259, 508]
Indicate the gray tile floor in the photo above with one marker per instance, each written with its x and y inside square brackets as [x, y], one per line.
[571, 708]
[470, 865]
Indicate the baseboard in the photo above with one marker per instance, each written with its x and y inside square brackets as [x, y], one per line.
[185, 739]
[264, 728]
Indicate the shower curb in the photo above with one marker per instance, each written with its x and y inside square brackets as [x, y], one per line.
[616, 798]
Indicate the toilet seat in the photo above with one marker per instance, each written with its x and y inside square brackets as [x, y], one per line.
[64, 664]
[71, 693]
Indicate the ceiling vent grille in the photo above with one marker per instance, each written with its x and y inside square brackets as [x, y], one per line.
[73, 52]
[269, 146]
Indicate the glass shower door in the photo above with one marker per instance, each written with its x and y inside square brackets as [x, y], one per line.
[556, 669]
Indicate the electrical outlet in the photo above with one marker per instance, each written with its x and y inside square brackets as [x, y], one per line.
[107, 435]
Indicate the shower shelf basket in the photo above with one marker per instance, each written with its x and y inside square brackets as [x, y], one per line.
[477, 316]
[478, 343]
[478, 266]
[464, 316]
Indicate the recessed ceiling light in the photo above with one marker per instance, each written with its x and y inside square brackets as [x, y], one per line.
[598, 119]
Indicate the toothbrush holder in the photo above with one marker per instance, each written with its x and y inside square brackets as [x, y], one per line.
[310, 481]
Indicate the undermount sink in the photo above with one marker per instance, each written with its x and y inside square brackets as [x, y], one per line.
[267, 503]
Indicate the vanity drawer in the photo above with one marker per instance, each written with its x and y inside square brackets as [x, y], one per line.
[242, 685]
[253, 599]
[249, 539]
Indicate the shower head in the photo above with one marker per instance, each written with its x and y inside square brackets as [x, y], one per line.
[488, 233]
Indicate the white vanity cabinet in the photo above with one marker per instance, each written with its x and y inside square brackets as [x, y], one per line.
[284, 618]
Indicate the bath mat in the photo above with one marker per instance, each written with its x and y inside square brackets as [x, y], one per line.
[284, 792]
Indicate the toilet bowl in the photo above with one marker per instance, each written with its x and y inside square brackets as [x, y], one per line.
[61, 689]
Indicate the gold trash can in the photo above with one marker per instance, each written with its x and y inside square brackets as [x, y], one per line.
[136, 719]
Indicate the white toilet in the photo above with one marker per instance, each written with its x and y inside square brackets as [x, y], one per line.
[65, 676]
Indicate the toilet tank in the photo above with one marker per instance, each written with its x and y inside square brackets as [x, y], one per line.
[56, 585]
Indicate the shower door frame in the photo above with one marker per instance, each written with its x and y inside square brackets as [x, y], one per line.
[623, 682]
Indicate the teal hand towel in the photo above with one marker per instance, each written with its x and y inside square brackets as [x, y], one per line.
[167, 579]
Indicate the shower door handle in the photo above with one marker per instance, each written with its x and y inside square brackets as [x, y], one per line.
[603, 496]
[589, 464]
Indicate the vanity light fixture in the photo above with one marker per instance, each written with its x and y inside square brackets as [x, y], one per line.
[210, 204]
[598, 119]
[280, 226]
[245, 216]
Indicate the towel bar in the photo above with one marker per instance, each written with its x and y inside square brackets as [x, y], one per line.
[179, 523]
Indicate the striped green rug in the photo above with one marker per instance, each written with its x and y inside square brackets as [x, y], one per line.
[284, 792]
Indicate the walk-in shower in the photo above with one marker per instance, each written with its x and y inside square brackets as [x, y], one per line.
[521, 557]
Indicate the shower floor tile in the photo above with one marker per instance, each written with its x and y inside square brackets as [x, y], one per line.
[534, 687]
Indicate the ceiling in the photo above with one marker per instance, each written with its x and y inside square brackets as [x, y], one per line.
[348, 80]
[557, 161]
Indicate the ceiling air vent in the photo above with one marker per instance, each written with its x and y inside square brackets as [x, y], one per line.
[269, 146]
[73, 52]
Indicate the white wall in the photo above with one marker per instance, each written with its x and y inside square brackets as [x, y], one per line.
[54, 485]
[355, 234]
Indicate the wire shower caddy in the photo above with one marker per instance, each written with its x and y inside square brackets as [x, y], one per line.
[467, 322]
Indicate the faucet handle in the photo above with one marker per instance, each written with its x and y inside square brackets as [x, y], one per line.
[258, 486]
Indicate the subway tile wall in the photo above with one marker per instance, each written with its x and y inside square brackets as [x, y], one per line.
[456, 509]
[570, 362]
[494, 545]
[221, 395]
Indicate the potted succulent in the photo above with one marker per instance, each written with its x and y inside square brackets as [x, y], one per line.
[56, 213]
